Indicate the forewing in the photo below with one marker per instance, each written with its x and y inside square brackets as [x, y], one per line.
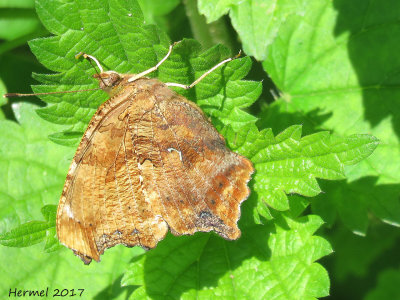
[103, 203]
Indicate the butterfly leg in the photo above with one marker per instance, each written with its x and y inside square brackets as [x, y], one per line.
[144, 73]
[186, 87]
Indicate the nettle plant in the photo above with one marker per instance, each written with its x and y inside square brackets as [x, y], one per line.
[275, 258]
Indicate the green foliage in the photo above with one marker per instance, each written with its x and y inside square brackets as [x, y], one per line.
[289, 163]
[257, 22]
[254, 267]
[387, 287]
[355, 256]
[18, 23]
[312, 51]
[330, 84]
[337, 79]
[18, 19]
[34, 232]
[154, 9]
[123, 25]
[32, 168]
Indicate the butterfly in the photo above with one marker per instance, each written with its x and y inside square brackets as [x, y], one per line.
[149, 162]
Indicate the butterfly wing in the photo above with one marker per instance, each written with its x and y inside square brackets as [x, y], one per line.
[102, 203]
[187, 168]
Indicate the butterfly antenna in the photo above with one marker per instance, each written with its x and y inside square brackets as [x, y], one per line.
[186, 87]
[10, 95]
[91, 58]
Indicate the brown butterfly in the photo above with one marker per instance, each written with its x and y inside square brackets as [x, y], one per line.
[150, 161]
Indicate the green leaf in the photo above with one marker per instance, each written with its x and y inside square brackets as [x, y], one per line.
[25, 235]
[267, 262]
[32, 232]
[68, 138]
[17, 4]
[363, 197]
[257, 22]
[152, 9]
[17, 19]
[214, 9]
[387, 286]
[32, 269]
[289, 163]
[356, 257]
[320, 65]
[32, 168]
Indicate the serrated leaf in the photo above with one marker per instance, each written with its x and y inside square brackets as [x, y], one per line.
[289, 163]
[319, 65]
[106, 30]
[257, 22]
[26, 234]
[33, 232]
[263, 264]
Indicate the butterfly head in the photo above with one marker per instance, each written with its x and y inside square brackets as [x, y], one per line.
[108, 80]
